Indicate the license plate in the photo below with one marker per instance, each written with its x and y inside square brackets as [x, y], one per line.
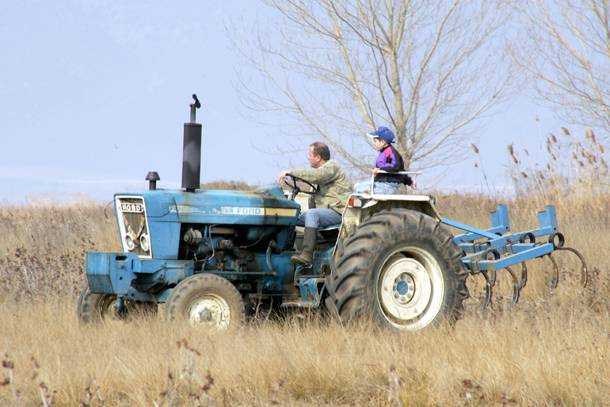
[131, 207]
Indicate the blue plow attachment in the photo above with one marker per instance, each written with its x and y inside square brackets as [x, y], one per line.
[488, 250]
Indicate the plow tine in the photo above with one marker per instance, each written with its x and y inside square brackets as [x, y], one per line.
[516, 285]
[490, 281]
[554, 280]
[523, 281]
[584, 271]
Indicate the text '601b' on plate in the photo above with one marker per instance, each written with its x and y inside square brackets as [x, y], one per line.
[131, 207]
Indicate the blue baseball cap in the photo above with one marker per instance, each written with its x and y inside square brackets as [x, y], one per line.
[383, 133]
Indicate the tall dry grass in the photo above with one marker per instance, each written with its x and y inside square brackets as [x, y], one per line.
[42, 247]
[552, 355]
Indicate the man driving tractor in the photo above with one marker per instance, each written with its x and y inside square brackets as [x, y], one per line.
[333, 189]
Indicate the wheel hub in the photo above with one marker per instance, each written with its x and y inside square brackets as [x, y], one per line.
[210, 310]
[406, 288]
[112, 308]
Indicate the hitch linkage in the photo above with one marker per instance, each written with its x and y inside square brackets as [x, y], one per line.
[489, 250]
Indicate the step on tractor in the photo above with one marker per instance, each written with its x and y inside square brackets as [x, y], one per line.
[215, 258]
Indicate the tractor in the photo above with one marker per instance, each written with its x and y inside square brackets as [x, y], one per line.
[214, 258]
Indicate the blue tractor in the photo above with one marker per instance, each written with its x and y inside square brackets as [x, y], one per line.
[215, 257]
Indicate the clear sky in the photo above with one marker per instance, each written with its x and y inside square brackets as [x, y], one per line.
[93, 95]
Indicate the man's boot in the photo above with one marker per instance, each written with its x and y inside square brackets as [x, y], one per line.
[309, 242]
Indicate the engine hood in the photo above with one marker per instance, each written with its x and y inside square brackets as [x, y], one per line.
[219, 206]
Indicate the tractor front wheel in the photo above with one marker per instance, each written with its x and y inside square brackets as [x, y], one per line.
[400, 268]
[94, 308]
[206, 300]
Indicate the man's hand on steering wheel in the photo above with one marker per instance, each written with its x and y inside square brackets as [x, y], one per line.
[280, 178]
[292, 181]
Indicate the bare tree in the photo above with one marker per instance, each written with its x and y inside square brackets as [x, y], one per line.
[428, 69]
[566, 50]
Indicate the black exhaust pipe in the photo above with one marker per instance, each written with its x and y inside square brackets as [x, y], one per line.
[191, 151]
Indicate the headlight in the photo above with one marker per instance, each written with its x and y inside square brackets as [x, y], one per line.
[144, 242]
[130, 243]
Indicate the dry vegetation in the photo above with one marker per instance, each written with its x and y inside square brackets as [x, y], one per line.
[552, 354]
[551, 349]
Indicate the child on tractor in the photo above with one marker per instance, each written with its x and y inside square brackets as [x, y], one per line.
[389, 160]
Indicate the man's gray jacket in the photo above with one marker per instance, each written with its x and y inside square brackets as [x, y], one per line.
[333, 184]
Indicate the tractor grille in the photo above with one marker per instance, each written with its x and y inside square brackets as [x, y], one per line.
[133, 225]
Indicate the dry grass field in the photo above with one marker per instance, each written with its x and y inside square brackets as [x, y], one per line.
[551, 349]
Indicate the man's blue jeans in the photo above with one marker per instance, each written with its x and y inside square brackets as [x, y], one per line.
[319, 218]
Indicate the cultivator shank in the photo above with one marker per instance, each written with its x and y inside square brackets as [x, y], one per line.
[487, 251]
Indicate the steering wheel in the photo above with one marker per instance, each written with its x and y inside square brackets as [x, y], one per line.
[291, 181]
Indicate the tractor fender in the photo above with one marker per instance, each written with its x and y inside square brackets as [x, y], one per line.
[362, 206]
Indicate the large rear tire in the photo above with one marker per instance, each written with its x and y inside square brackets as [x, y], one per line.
[206, 300]
[400, 268]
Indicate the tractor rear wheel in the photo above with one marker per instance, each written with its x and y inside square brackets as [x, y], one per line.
[206, 300]
[400, 268]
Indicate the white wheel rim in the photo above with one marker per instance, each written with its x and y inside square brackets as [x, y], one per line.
[410, 289]
[108, 309]
[210, 310]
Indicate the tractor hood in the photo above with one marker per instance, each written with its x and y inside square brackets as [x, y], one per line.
[264, 207]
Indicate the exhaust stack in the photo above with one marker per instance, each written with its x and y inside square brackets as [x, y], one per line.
[191, 151]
